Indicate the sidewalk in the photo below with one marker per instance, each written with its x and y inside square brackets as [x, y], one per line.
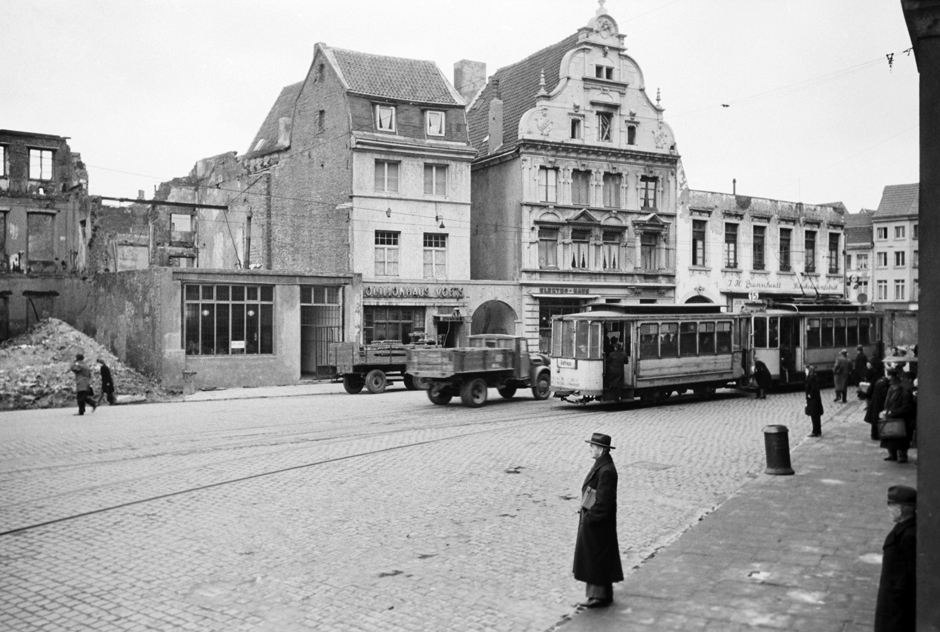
[798, 552]
[322, 387]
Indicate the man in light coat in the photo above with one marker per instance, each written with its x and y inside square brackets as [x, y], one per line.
[83, 390]
[840, 371]
[597, 552]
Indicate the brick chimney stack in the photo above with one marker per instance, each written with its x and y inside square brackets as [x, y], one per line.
[495, 128]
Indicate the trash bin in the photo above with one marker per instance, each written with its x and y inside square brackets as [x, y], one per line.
[189, 382]
[777, 446]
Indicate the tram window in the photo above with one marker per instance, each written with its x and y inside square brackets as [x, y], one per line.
[840, 332]
[812, 333]
[853, 332]
[773, 333]
[567, 339]
[649, 340]
[596, 347]
[724, 337]
[760, 332]
[706, 338]
[669, 340]
[688, 332]
[826, 332]
[556, 338]
[864, 337]
[583, 337]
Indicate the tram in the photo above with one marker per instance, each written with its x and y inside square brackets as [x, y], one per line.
[699, 348]
[788, 337]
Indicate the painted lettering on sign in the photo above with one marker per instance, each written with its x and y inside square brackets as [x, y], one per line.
[563, 290]
[411, 291]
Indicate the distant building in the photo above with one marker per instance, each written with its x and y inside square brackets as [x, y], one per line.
[575, 181]
[858, 256]
[737, 248]
[45, 229]
[896, 248]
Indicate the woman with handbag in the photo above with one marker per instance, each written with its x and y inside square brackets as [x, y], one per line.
[814, 405]
[876, 403]
[894, 428]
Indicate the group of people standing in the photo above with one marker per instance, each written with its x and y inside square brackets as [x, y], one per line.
[892, 405]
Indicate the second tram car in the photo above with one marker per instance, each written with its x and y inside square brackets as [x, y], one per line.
[678, 348]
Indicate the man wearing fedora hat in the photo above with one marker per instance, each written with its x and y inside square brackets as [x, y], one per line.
[840, 375]
[896, 604]
[597, 553]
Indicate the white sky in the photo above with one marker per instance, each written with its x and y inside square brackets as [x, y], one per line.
[144, 89]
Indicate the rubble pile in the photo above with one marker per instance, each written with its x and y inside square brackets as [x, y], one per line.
[34, 369]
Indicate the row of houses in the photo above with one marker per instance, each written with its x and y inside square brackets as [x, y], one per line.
[379, 201]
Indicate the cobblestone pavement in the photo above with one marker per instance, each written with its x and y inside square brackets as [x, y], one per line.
[338, 512]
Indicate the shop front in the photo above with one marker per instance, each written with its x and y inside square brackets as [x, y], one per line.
[408, 313]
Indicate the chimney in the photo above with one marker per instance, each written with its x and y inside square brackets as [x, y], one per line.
[140, 194]
[495, 120]
[469, 78]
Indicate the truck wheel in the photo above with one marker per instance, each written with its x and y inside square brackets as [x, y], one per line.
[543, 386]
[421, 383]
[376, 381]
[507, 391]
[473, 393]
[409, 382]
[353, 383]
[439, 394]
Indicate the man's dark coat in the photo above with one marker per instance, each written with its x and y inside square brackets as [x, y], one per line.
[899, 404]
[762, 375]
[615, 368]
[814, 405]
[895, 608]
[597, 553]
[876, 399]
[107, 382]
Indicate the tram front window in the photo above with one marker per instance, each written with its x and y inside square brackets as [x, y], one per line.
[567, 339]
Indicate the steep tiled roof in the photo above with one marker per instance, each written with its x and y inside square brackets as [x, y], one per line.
[897, 200]
[518, 86]
[394, 77]
[270, 129]
[858, 228]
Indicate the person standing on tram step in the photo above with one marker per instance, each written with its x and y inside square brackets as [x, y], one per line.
[896, 606]
[840, 375]
[597, 552]
[814, 405]
[616, 360]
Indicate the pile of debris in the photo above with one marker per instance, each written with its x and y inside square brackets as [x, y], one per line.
[34, 369]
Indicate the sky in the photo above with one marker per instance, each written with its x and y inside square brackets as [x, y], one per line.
[145, 88]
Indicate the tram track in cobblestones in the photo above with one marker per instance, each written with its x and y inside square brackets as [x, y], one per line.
[504, 424]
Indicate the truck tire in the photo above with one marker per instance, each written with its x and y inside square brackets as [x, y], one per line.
[507, 391]
[376, 381]
[543, 386]
[439, 394]
[409, 382]
[421, 383]
[353, 383]
[473, 393]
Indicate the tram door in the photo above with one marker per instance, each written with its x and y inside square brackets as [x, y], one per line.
[767, 343]
[790, 353]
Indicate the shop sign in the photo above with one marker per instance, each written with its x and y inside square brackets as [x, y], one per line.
[412, 291]
[563, 290]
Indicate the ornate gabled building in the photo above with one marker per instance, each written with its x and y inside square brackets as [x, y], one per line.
[574, 185]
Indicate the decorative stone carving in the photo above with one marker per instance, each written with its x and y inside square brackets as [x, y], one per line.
[543, 122]
[661, 136]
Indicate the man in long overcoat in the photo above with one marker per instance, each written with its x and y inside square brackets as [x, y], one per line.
[876, 403]
[899, 404]
[897, 590]
[840, 374]
[107, 383]
[597, 552]
[616, 360]
[861, 364]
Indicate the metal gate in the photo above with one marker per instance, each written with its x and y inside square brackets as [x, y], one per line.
[321, 322]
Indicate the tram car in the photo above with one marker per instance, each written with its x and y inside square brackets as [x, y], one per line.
[679, 348]
[665, 349]
[788, 337]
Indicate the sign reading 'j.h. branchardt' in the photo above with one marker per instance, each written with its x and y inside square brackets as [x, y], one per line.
[788, 283]
[412, 291]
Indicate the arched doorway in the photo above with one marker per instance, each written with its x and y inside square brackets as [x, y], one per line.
[493, 317]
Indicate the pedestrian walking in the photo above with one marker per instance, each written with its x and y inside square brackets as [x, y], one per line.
[107, 383]
[899, 406]
[897, 590]
[840, 373]
[861, 365]
[876, 403]
[814, 405]
[83, 391]
[762, 379]
[597, 553]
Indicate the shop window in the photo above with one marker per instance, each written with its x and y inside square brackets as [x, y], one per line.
[723, 337]
[40, 164]
[649, 340]
[548, 247]
[688, 339]
[392, 323]
[580, 187]
[435, 256]
[669, 340]
[706, 338]
[228, 319]
[386, 253]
